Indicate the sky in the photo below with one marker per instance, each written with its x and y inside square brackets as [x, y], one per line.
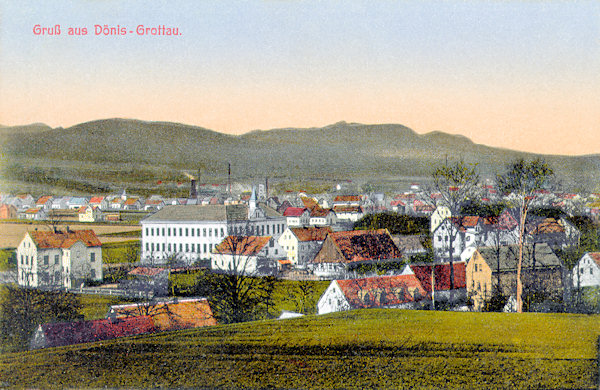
[520, 75]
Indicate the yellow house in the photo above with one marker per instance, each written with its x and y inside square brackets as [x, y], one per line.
[495, 269]
[301, 244]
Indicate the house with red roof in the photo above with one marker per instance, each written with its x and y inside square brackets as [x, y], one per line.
[147, 281]
[168, 315]
[8, 211]
[348, 200]
[302, 244]
[297, 216]
[59, 259]
[89, 214]
[586, 272]
[341, 252]
[322, 217]
[44, 202]
[443, 274]
[348, 212]
[250, 255]
[69, 333]
[397, 291]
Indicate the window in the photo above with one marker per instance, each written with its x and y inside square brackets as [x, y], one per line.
[151, 231]
[180, 232]
[204, 248]
[57, 259]
[210, 232]
[163, 247]
[180, 247]
[267, 230]
[187, 232]
[92, 257]
[169, 232]
[46, 260]
[204, 232]
[187, 248]
[198, 232]
[222, 232]
[147, 247]
[210, 247]
[147, 231]
[152, 247]
[169, 247]
[163, 232]
[93, 273]
[192, 232]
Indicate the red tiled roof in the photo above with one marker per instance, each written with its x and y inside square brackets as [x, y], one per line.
[442, 276]
[64, 239]
[595, 256]
[131, 201]
[61, 334]
[242, 245]
[365, 245]
[309, 203]
[293, 211]
[348, 198]
[96, 199]
[381, 291]
[171, 315]
[32, 211]
[319, 212]
[311, 234]
[43, 199]
[146, 271]
[397, 203]
[547, 226]
[347, 209]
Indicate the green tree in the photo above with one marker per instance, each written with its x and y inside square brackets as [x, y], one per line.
[23, 309]
[523, 179]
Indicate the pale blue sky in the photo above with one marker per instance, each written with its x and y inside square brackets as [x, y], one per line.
[524, 75]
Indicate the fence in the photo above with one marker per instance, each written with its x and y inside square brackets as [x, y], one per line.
[112, 291]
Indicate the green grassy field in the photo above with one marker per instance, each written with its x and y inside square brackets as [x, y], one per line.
[7, 260]
[121, 252]
[360, 349]
[96, 306]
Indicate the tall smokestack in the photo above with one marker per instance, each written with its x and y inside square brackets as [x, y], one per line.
[267, 187]
[193, 189]
[229, 178]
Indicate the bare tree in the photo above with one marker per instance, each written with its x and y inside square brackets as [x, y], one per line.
[523, 179]
[452, 186]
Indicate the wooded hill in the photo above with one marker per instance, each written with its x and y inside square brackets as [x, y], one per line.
[336, 152]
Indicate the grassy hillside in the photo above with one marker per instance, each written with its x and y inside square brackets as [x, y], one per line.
[361, 349]
[111, 152]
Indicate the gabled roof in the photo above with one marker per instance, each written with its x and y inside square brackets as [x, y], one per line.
[381, 291]
[146, 271]
[312, 233]
[171, 315]
[595, 256]
[242, 245]
[43, 199]
[319, 212]
[364, 245]
[507, 257]
[537, 225]
[61, 334]
[131, 201]
[294, 211]
[408, 243]
[309, 203]
[224, 213]
[348, 198]
[97, 199]
[45, 240]
[442, 275]
[348, 209]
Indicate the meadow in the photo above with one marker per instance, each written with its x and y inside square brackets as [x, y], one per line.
[350, 350]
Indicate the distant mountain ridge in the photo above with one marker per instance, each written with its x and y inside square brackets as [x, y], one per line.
[340, 150]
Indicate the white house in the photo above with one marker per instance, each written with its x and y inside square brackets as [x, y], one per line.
[348, 212]
[191, 232]
[322, 217]
[59, 259]
[90, 214]
[440, 213]
[250, 255]
[397, 291]
[586, 272]
[302, 244]
[297, 216]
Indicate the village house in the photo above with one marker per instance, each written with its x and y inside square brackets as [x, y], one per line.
[8, 211]
[75, 203]
[59, 259]
[99, 201]
[398, 291]
[147, 281]
[297, 216]
[322, 217]
[341, 252]
[192, 232]
[438, 216]
[302, 244]
[132, 204]
[409, 245]
[494, 269]
[168, 315]
[153, 204]
[250, 255]
[586, 272]
[33, 214]
[348, 213]
[60, 202]
[348, 200]
[89, 214]
[44, 202]
[443, 290]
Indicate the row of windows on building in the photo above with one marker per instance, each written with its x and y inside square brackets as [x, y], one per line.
[168, 248]
[27, 260]
[214, 232]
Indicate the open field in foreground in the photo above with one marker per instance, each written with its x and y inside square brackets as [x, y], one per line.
[11, 233]
[360, 349]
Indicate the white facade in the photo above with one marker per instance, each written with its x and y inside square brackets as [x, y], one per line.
[56, 266]
[190, 233]
[329, 219]
[262, 261]
[332, 300]
[586, 272]
[438, 216]
[299, 252]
